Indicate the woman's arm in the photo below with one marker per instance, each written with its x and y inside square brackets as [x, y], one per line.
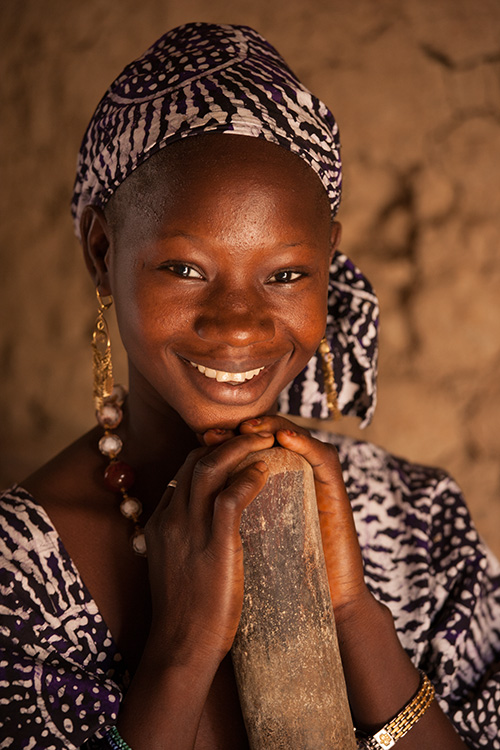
[381, 679]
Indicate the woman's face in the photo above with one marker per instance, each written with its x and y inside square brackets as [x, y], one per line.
[218, 264]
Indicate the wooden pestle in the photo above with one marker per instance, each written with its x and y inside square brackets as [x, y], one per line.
[285, 655]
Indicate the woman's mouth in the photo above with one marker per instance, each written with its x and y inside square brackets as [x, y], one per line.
[242, 381]
[233, 378]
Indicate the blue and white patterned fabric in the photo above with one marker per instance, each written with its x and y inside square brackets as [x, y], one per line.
[423, 559]
[203, 78]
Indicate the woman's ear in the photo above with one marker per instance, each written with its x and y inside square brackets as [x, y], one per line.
[335, 237]
[96, 244]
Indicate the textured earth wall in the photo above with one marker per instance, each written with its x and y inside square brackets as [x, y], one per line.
[415, 87]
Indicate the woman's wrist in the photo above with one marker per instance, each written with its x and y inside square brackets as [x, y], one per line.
[187, 656]
[361, 605]
[403, 722]
[164, 703]
[380, 676]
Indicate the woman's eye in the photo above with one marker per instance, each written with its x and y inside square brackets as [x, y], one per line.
[181, 269]
[286, 277]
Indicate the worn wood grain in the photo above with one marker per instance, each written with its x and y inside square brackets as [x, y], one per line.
[285, 655]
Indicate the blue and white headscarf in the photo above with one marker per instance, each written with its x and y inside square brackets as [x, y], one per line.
[202, 78]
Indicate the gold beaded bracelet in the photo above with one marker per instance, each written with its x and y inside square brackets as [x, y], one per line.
[401, 724]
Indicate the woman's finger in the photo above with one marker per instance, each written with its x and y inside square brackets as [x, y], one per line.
[323, 458]
[202, 476]
[216, 436]
[213, 469]
[338, 532]
[175, 495]
[232, 501]
[270, 423]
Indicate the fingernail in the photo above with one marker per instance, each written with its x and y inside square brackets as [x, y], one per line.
[218, 431]
[264, 434]
[253, 422]
[291, 433]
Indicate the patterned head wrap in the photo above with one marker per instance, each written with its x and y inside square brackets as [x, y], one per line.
[202, 78]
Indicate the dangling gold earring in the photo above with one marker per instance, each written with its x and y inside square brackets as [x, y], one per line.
[101, 353]
[108, 401]
[328, 376]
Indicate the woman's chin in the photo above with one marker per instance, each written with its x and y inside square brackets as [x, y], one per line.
[226, 419]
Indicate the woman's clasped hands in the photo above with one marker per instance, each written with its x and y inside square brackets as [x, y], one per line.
[195, 554]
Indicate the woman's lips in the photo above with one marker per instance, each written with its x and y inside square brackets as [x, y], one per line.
[236, 386]
[222, 376]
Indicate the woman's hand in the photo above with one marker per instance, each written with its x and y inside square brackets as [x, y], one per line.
[195, 555]
[340, 542]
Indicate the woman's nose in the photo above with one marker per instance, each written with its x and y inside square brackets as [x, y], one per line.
[235, 319]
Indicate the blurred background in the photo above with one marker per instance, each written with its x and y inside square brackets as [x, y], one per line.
[415, 87]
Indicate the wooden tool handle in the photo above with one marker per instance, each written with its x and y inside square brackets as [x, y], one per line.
[285, 654]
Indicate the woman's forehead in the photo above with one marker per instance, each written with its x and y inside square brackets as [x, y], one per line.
[204, 157]
[226, 173]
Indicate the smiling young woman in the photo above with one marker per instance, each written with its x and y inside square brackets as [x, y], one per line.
[219, 269]
[207, 186]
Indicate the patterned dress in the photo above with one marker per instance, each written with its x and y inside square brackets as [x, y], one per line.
[62, 679]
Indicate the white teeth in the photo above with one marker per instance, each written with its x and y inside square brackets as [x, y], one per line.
[226, 377]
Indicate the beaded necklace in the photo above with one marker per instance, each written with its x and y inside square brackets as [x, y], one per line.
[119, 476]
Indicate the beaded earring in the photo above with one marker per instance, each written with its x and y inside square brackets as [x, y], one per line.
[108, 402]
[329, 378]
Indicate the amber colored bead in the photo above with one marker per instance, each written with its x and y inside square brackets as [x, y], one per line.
[119, 476]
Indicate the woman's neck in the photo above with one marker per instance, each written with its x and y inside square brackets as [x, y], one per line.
[156, 441]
